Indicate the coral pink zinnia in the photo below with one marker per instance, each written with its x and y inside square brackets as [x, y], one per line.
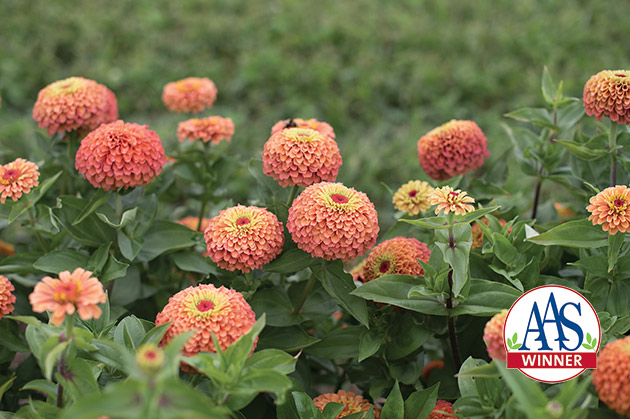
[396, 256]
[6, 297]
[448, 200]
[331, 221]
[213, 128]
[244, 238]
[452, 149]
[78, 291]
[412, 197]
[611, 376]
[319, 126]
[442, 406]
[493, 336]
[301, 156]
[120, 155]
[192, 94]
[611, 208]
[206, 309]
[17, 178]
[351, 402]
[607, 93]
[74, 104]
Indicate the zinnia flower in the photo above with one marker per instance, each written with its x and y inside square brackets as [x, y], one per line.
[611, 208]
[442, 406]
[493, 336]
[206, 309]
[610, 378]
[301, 156]
[6, 297]
[607, 93]
[321, 127]
[192, 94]
[412, 197]
[78, 291]
[331, 221]
[452, 149]
[150, 358]
[74, 104]
[396, 256]
[244, 238]
[193, 222]
[477, 232]
[563, 211]
[120, 155]
[449, 200]
[17, 178]
[6, 248]
[352, 403]
[213, 128]
[357, 272]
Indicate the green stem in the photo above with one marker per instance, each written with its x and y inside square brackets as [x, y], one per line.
[452, 333]
[118, 207]
[292, 195]
[612, 143]
[40, 239]
[69, 326]
[202, 212]
[307, 290]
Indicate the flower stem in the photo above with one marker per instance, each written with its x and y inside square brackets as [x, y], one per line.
[537, 193]
[307, 290]
[452, 333]
[118, 207]
[292, 195]
[202, 212]
[40, 239]
[612, 143]
[69, 327]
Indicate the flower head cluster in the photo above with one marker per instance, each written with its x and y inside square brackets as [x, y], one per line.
[6, 296]
[319, 126]
[607, 93]
[611, 208]
[192, 94]
[449, 200]
[493, 336]
[412, 197]
[442, 406]
[477, 232]
[120, 155]
[244, 238]
[213, 128]
[452, 149]
[611, 376]
[206, 310]
[77, 291]
[396, 256]
[331, 221]
[301, 156]
[17, 178]
[74, 104]
[352, 403]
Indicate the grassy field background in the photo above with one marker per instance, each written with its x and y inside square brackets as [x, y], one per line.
[382, 73]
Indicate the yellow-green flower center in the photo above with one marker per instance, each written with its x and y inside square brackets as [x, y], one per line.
[67, 86]
[617, 204]
[205, 304]
[301, 135]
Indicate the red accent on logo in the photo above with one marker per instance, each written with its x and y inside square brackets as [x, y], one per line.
[552, 359]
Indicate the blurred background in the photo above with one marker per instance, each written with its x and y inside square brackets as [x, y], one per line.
[381, 73]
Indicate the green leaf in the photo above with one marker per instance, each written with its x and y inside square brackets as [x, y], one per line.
[394, 289]
[51, 357]
[156, 334]
[61, 260]
[456, 256]
[99, 198]
[338, 344]
[581, 151]
[289, 339]
[275, 303]
[35, 196]
[165, 236]
[369, 343]
[579, 233]
[548, 87]
[405, 336]
[293, 260]
[614, 246]
[91, 231]
[129, 247]
[339, 285]
[487, 298]
[332, 409]
[126, 218]
[193, 262]
[42, 386]
[255, 381]
[421, 403]
[394, 407]
[114, 269]
[305, 406]
[97, 260]
[526, 391]
[7, 385]
[537, 116]
[271, 359]
[129, 333]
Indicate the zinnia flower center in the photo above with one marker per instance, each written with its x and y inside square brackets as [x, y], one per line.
[620, 75]
[10, 176]
[454, 193]
[205, 305]
[67, 292]
[339, 199]
[242, 221]
[188, 86]
[150, 354]
[385, 265]
[413, 194]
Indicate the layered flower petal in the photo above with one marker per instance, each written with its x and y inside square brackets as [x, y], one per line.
[213, 128]
[192, 94]
[607, 93]
[17, 178]
[493, 336]
[611, 209]
[610, 378]
[319, 126]
[6, 296]
[413, 197]
[351, 402]
[396, 256]
[449, 200]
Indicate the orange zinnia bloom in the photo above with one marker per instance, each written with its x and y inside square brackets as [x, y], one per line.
[213, 128]
[611, 376]
[396, 256]
[413, 197]
[319, 126]
[77, 291]
[442, 406]
[449, 200]
[351, 402]
[17, 178]
[611, 208]
[607, 93]
[192, 94]
[493, 336]
[6, 297]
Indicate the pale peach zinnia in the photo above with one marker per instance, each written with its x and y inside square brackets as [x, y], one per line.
[17, 178]
[77, 291]
[352, 403]
[192, 94]
[412, 197]
[213, 128]
[6, 296]
[449, 200]
[611, 208]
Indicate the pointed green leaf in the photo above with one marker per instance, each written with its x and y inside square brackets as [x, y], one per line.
[578, 233]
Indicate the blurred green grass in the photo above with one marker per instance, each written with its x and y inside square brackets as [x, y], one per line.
[382, 73]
